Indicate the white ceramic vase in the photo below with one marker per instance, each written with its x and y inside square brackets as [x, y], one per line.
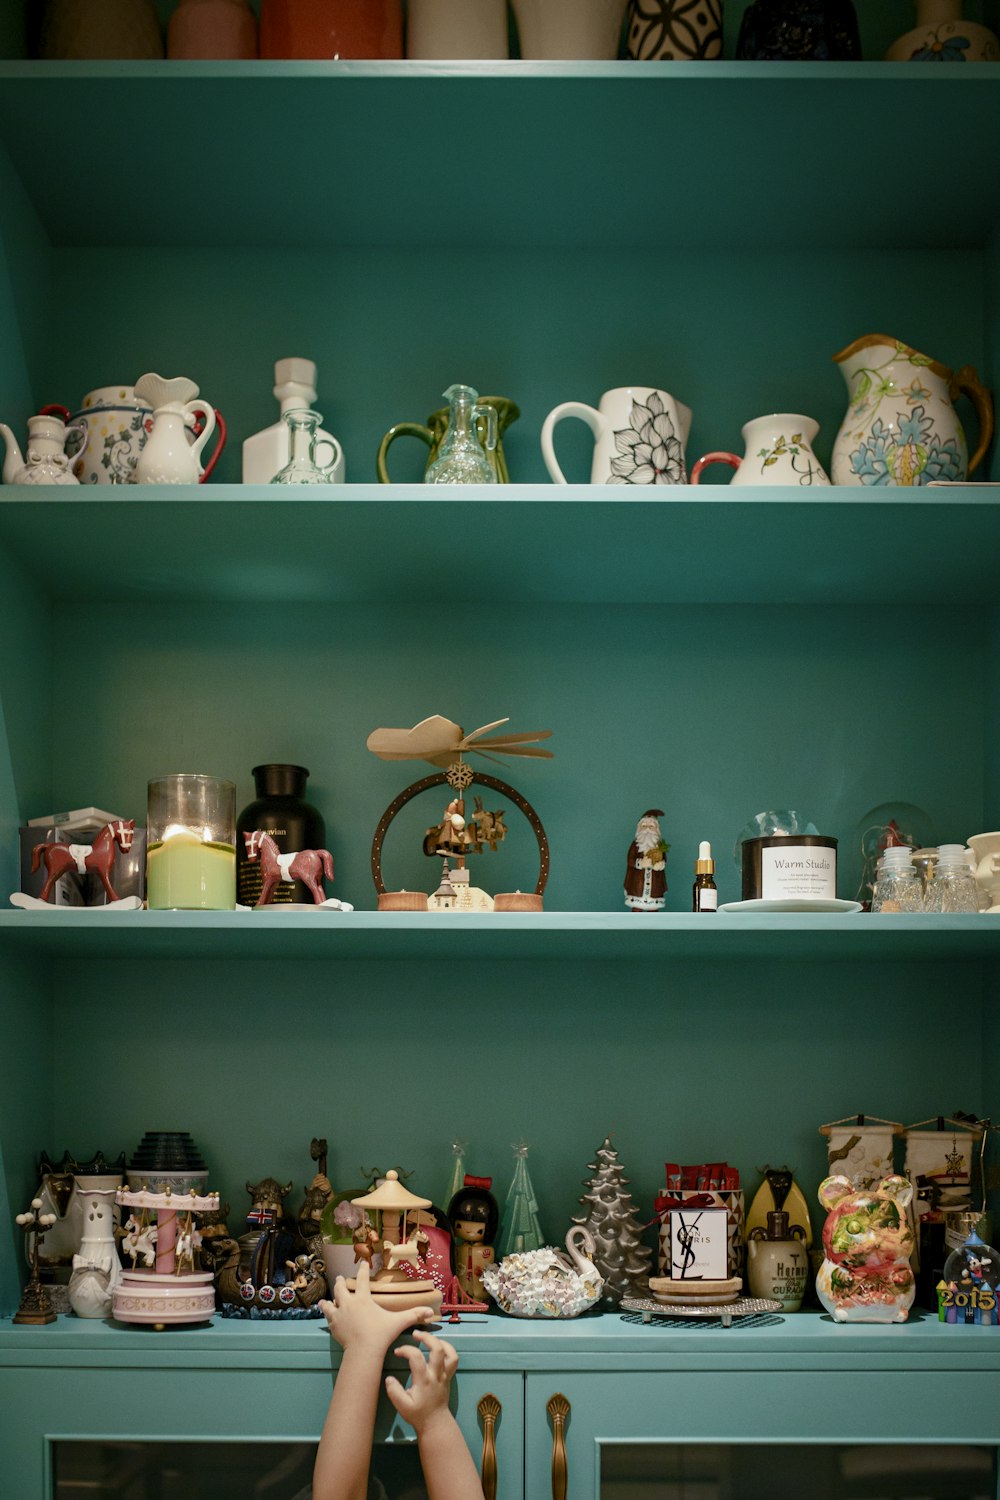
[96, 1269]
[942, 35]
[456, 29]
[569, 29]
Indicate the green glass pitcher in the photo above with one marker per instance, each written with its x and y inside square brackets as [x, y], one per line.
[436, 430]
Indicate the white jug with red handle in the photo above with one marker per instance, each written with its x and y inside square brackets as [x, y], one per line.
[168, 455]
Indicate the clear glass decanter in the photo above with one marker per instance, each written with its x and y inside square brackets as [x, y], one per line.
[462, 459]
[302, 467]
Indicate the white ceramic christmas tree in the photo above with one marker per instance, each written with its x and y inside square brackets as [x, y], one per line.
[520, 1228]
[613, 1221]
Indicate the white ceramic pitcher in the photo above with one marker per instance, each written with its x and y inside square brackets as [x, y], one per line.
[640, 434]
[777, 449]
[168, 457]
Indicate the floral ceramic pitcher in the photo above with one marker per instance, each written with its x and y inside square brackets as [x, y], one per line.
[901, 427]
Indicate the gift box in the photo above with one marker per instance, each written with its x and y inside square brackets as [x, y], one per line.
[707, 1186]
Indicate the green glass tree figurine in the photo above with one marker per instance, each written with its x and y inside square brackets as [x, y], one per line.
[458, 1150]
[520, 1226]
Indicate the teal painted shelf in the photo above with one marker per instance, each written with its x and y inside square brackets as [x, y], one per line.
[800, 1341]
[561, 137]
[764, 937]
[361, 543]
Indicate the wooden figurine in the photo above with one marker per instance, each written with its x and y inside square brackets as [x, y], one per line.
[253, 1278]
[645, 869]
[318, 1194]
[474, 1215]
[82, 859]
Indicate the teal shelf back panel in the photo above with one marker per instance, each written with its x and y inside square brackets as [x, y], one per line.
[555, 151]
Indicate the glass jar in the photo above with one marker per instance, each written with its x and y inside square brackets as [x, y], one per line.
[953, 888]
[280, 811]
[303, 426]
[897, 885]
[191, 843]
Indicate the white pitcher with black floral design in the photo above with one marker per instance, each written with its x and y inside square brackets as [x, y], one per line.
[901, 426]
[640, 435]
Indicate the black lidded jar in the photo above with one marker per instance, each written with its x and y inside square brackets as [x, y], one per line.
[279, 811]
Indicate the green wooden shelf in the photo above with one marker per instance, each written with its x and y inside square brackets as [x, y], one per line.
[581, 143]
[763, 937]
[799, 1341]
[573, 544]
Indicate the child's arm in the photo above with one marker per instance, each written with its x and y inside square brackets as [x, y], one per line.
[449, 1471]
[365, 1331]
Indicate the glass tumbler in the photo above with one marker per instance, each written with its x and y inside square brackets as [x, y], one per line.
[898, 887]
[191, 843]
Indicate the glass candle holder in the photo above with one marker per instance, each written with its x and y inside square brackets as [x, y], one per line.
[191, 843]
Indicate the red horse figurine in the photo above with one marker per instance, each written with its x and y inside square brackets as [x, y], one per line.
[309, 866]
[71, 859]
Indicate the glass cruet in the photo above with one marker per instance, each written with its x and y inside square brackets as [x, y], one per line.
[462, 459]
[302, 467]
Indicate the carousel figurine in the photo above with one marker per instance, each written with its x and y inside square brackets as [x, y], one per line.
[474, 1214]
[169, 1289]
[458, 835]
[645, 869]
[394, 1229]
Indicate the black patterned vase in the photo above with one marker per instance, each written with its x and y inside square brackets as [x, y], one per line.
[798, 30]
[663, 29]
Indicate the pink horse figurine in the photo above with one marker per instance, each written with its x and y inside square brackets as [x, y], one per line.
[66, 859]
[308, 865]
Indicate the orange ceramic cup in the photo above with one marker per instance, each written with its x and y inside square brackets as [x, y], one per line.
[331, 28]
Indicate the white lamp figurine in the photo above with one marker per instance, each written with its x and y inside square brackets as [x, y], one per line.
[986, 848]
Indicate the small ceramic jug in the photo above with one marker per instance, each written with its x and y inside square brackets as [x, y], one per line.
[778, 1261]
[167, 456]
[640, 434]
[119, 29]
[777, 450]
[901, 427]
[331, 28]
[507, 412]
[225, 29]
[45, 460]
[569, 29]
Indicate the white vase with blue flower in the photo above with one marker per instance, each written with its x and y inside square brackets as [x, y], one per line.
[943, 35]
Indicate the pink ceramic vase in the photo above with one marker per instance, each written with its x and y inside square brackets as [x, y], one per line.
[212, 29]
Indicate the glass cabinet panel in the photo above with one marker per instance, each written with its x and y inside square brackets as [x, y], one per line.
[126, 1470]
[789, 1471]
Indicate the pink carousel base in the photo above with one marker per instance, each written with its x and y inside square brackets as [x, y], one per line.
[151, 1297]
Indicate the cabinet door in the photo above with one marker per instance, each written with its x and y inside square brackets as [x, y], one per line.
[219, 1434]
[727, 1435]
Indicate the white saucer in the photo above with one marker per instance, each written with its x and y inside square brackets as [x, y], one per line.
[828, 903]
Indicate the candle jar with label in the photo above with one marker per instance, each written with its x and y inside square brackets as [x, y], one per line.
[191, 843]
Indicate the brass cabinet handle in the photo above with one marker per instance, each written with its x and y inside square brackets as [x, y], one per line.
[558, 1409]
[489, 1410]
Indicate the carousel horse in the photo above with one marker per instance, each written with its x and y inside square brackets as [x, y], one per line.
[80, 859]
[307, 865]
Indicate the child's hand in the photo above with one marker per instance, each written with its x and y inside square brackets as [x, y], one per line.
[357, 1322]
[430, 1381]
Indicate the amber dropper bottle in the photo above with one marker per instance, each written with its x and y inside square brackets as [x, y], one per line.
[705, 894]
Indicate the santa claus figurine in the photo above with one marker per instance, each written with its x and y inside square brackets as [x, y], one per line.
[645, 873]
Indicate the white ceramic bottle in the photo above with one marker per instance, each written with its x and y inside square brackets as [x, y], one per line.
[267, 452]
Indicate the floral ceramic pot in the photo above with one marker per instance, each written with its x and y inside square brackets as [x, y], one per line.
[664, 29]
[117, 425]
[941, 35]
[901, 427]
